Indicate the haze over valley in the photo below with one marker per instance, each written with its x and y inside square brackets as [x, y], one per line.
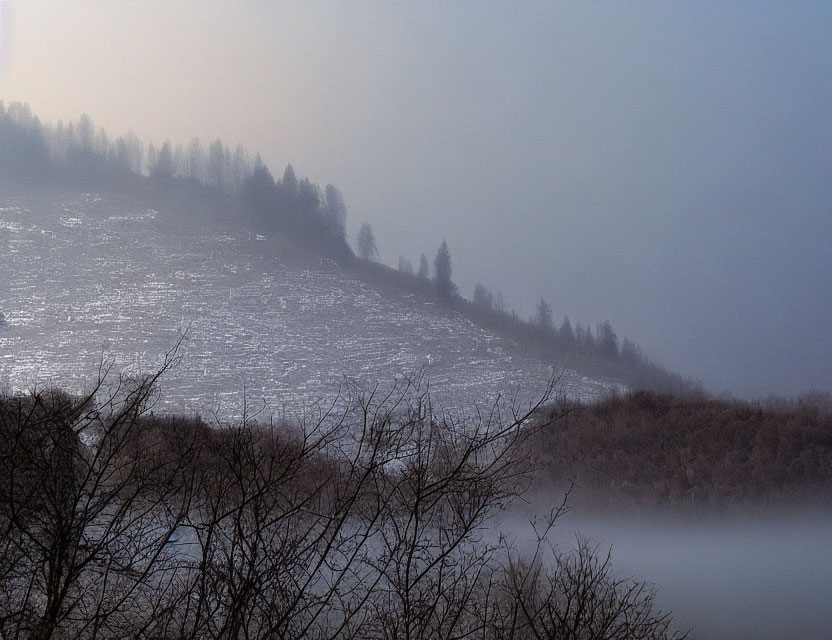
[486, 320]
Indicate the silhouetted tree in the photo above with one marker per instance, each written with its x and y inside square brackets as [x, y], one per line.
[442, 271]
[308, 205]
[367, 243]
[86, 133]
[180, 162]
[369, 521]
[164, 167]
[543, 317]
[584, 338]
[196, 161]
[405, 266]
[23, 148]
[102, 143]
[607, 340]
[130, 151]
[239, 168]
[335, 211]
[121, 154]
[631, 352]
[259, 192]
[290, 181]
[151, 159]
[57, 142]
[566, 334]
[216, 169]
[575, 595]
[424, 269]
[482, 297]
[499, 303]
[85, 514]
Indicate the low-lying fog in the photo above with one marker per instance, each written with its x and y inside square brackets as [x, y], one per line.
[767, 575]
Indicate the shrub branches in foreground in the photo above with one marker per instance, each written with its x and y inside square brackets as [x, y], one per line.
[370, 519]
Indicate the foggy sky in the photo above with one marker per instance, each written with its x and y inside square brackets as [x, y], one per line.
[662, 165]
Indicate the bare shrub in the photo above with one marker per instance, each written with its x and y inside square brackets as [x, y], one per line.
[84, 518]
[575, 596]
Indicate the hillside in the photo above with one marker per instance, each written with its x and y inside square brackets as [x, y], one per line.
[226, 190]
[88, 276]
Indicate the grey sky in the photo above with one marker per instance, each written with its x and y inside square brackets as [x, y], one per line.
[663, 165]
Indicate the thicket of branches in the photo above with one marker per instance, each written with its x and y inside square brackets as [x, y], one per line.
[653, 449]
[368, 519]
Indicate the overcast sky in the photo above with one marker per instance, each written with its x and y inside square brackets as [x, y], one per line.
[663, 165]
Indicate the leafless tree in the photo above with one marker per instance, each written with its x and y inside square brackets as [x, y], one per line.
[368, 518]
[366, 243]
[571, 595]
[85, 514]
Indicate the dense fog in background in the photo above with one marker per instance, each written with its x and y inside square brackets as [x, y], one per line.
[766, 576]
[663, 165]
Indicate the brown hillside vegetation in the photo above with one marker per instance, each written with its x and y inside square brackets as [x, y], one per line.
[653, 449]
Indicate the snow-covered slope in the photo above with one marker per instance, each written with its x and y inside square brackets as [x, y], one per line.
[86, 277]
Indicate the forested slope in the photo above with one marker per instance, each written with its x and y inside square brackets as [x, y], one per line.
[655, 449]
[230, 188]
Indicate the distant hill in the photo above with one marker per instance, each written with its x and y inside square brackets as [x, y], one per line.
[87, 276]
[193, 185]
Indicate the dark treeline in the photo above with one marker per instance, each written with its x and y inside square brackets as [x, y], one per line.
[24, 154]
[652, 449]
[598, 352]
[371, 522]
[216, 181]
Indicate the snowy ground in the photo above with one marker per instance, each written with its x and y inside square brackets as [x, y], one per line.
[85, 277]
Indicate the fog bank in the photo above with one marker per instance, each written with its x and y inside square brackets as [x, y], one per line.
[767, 576]
[665, 166]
